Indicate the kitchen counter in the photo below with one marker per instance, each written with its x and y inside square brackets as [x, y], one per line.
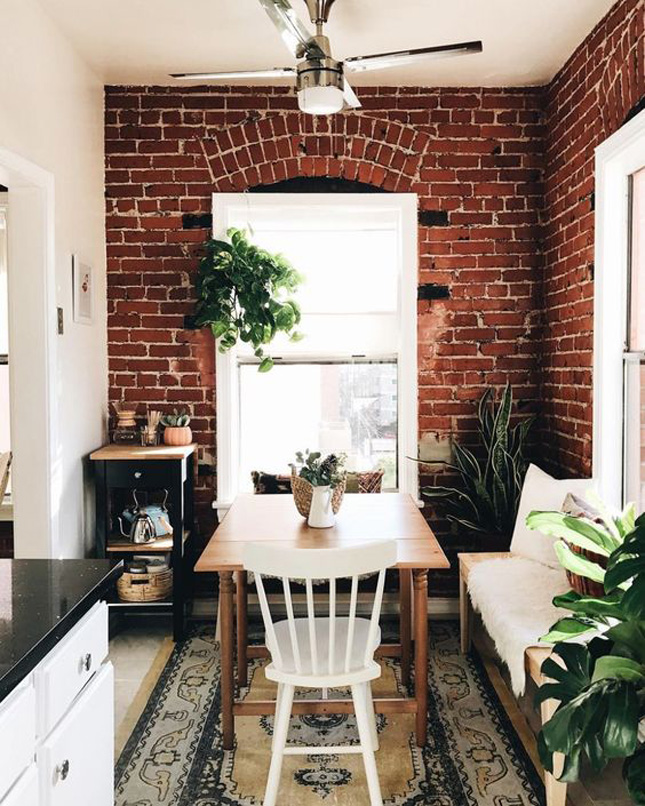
[40, 601]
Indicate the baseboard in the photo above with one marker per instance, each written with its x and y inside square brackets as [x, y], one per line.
[440, 607]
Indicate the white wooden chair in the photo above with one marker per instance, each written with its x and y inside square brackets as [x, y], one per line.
[322, 652]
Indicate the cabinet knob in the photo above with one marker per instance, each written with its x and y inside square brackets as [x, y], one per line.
[86, 661]
[63, 770]
[138, 474]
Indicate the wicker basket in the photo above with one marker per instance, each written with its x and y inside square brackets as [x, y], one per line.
[583, 585]
[302, 492]
[145, 587]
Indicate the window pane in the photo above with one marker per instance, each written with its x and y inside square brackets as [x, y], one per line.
[637, 264]
[338, 407]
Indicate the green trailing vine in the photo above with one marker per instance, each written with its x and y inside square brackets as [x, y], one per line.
[245, 293]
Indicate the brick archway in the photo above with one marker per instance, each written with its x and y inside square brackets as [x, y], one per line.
[381, 153]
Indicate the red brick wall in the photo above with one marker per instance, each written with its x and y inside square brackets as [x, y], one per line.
[475, 155]
[585, 103]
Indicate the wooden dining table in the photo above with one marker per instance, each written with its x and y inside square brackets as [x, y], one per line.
[389, 516]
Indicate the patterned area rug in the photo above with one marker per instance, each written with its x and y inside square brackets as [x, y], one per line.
[473, 756]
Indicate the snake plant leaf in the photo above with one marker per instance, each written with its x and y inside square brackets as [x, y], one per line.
[634, 775]
[440, 492]
[615, 666]
[577, 564]
[466, 462]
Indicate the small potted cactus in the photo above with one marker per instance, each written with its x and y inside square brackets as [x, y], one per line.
[176, 428]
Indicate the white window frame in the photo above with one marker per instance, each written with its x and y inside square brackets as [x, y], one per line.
[227, 386]
[617, 159]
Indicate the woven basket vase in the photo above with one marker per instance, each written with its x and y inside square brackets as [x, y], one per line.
[583, 585]
[302, 493]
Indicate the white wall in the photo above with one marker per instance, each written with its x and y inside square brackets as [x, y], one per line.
[51, 113]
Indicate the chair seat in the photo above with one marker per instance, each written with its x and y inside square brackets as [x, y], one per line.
[357, 656]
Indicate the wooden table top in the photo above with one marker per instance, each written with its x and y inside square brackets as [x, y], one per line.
[389, 516]
[139, 452]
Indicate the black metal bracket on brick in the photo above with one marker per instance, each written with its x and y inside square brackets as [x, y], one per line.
[429, 291]
[197, 221]
[433, 218]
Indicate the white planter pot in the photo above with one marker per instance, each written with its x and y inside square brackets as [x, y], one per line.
[321, 515]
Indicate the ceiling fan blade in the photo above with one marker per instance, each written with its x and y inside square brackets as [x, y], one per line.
[351, 99]
[292, 30]
[275, 72]
[378, 61]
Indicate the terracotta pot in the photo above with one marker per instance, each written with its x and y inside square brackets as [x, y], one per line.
[177, 435]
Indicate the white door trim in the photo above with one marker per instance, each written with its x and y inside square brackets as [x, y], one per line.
[616, 159]
[36, 466]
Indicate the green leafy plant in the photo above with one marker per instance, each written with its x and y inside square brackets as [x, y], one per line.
[489, 494]
[178, 419]
[244, 293]
[319, 471]
[600, 683]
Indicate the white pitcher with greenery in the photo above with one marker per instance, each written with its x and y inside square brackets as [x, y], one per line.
[324, 476]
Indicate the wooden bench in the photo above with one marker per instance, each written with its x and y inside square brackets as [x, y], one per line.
[556, 791]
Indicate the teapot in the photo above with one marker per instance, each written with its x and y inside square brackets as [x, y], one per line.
[142, 527]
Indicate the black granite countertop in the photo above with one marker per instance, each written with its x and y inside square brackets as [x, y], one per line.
[40, 601]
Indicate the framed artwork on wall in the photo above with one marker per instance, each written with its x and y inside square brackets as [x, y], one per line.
[82, 291]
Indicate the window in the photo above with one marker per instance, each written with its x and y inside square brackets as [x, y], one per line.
[350, 384]
[634, 357]
[619, 320]
[5, 437]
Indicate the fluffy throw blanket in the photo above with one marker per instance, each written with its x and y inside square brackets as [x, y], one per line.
[513, 596]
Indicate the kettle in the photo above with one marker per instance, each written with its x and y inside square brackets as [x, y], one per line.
[142, 527]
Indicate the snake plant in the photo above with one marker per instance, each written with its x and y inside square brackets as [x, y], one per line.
[491, 481]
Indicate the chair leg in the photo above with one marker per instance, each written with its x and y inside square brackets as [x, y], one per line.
[364, 732]
[280, 730]
[278, 699]
[465, 615]
[369, 704]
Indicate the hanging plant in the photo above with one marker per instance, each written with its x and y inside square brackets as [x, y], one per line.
[244, 292]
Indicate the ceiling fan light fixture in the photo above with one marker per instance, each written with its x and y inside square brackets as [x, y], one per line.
[321, 100]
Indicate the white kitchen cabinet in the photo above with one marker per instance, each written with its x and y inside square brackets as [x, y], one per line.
[57, 726]
[76, 761]
[25, 792]
[17, 734]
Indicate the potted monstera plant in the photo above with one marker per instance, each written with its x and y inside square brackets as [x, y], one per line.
[599, 681]
[246, 293]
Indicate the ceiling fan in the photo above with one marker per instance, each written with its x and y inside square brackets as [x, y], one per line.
[320, 79]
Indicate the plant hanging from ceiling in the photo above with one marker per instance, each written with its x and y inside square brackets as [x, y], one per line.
[244, 293]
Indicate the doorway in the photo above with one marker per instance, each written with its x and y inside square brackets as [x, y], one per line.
[31, 327]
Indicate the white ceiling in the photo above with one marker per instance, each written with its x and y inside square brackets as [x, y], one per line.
[141, 41]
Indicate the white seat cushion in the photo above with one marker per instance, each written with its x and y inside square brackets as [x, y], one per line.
[542, 492]
[514, 597]
[357, 656]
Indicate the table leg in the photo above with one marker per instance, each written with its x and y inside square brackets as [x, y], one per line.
[242, 593]
[421, 652]
[227, 683]
[405, 622]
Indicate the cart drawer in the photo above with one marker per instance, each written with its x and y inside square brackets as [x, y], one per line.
[146, 475]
